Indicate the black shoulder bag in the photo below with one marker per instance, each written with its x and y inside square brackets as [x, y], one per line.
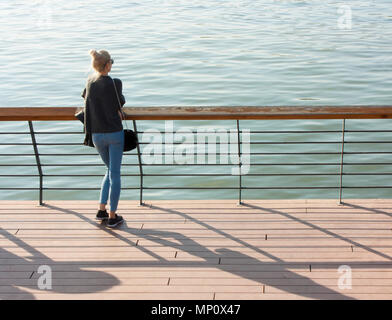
[130, 137]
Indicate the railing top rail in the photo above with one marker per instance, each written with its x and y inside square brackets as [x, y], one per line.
[208, 113]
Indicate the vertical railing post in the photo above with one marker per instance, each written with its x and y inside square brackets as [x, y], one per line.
[140, 166]
[38, 161]
[240, 163]
[341, 163]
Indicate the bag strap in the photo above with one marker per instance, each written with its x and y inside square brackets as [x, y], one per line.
[119, 103]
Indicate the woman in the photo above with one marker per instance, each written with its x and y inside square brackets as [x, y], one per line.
[103, 121]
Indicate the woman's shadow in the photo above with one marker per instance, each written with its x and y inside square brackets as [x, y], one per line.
[48, 279]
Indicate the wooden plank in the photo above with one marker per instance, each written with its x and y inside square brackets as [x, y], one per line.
[209, 274]
[348, 204]
[107, 296]
[261, 256]
[291, 296]
[184, 233]
[23, 250]
[282, 242]
[211, 217]
[88, 256]
[70, 226]
[299, 281]
[310, 289]
[96, 261]
[137, 289]
[259, 288]
[200, 244]
[230, 259]
[107, 281]
[14, 275]
[157, 266]
[208, 113]
[362, 266]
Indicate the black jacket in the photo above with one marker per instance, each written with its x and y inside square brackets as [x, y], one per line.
[101, 104]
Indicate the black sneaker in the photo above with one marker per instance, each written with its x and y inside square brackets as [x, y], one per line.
[115, 222]
[102, 215]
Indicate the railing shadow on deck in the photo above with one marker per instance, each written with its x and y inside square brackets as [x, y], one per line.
[183, 241]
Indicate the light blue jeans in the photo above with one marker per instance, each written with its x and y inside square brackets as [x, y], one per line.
[110, 147]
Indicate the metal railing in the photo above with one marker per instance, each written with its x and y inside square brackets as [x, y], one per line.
[211, 113]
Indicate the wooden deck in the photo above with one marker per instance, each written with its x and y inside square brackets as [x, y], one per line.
[213, 250]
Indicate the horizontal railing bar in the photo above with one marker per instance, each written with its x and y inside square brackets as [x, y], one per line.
[233, 188]
[265, 131]
[54, 154]
[208, 113]
[264, 142]
[198, 188]
[203, 144]
[266, 174]
[64, 189]
[44, 132]
[200, 153]
[209, 188]
[20, 189]
[42, 144]
[204, 175]
[48, 154]
[205, 133]
[263, 188]
[21, 175]
[198, 164]
[62, 175]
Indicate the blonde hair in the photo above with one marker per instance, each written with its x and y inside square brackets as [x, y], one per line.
[99, 59]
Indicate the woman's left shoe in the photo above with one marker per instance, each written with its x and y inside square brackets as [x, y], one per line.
[114, 222]
[102, 215]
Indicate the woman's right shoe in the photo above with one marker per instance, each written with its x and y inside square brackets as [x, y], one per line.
[115, 221]
[102, 215]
